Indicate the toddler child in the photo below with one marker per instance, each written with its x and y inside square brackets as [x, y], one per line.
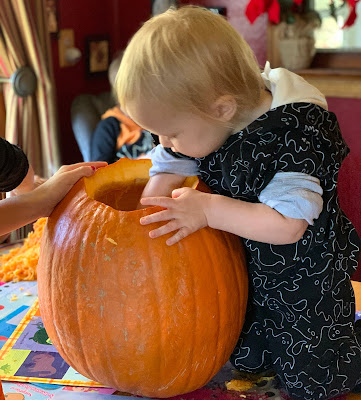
[270, 151]
[116, 135]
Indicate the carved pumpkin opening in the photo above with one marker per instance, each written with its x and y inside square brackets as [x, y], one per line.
[120, 187]
[122, 197]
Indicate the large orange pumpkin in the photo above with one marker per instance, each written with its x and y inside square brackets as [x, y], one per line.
[127, 310]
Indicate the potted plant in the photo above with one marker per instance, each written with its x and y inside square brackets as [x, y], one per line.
[295, 23]
[296, 42]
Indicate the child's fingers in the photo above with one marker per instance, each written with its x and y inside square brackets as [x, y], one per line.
[156, 217]
[178, 192]
[164, 229]
[165, 202]
[181, 234]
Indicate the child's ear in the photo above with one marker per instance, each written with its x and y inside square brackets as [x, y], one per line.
[224, 108]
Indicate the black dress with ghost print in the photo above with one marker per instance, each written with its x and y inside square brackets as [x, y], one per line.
[301, 311]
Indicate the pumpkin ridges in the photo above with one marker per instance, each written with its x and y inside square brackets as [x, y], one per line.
[213, 371]
[193, 333]
[84, 355]
[89, 229]
[47, 302]
[224, 311]
[156, 291]
[107, 232]
[202, 352]
[107, 272]
[205, 242]
[58, 323]
[232, 302]
[168, 279]
[64, 243]
[88, 234]
[52, 278]
[156, 371]
[202, 365]
[77, 302]
[140, 267]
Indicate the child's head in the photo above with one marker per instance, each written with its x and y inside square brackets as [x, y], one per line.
[187, 59]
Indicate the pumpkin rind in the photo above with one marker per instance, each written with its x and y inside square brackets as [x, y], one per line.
[131, 312]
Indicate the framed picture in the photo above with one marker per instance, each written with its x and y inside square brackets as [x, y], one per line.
[97, 51]
[52, 15]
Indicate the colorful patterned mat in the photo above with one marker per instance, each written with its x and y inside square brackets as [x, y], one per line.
[29, 356]
[26, 339]
[30, 365]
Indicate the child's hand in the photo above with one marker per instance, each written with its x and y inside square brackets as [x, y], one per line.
[161, 185]
[185, 212]
[55, 188]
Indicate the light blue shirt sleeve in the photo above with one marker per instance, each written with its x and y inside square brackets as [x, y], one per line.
[295, 195]
[164, 162]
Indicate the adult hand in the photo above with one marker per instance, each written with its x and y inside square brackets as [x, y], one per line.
[38, 180]
[55, 188]
[26, 185]
[185, 211]
[20, 210]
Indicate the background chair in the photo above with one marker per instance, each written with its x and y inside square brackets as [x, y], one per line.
[86, 112]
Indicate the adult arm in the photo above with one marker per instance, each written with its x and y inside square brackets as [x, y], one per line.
[20, 210]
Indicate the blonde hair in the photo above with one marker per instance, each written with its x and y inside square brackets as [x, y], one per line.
[187, 59]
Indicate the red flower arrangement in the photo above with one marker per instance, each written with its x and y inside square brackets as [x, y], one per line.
[277, 9]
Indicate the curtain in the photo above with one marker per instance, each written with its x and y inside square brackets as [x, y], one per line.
[2, 115]
[31, 122]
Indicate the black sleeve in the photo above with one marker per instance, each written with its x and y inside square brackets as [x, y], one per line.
[14, 166]
[155, 138]
[104, 142]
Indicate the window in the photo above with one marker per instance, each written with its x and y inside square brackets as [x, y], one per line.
[331, 35]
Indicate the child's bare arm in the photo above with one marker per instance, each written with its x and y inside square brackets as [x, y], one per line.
[255, 221]
[25, 208]
[161, 185]
[190, 210]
